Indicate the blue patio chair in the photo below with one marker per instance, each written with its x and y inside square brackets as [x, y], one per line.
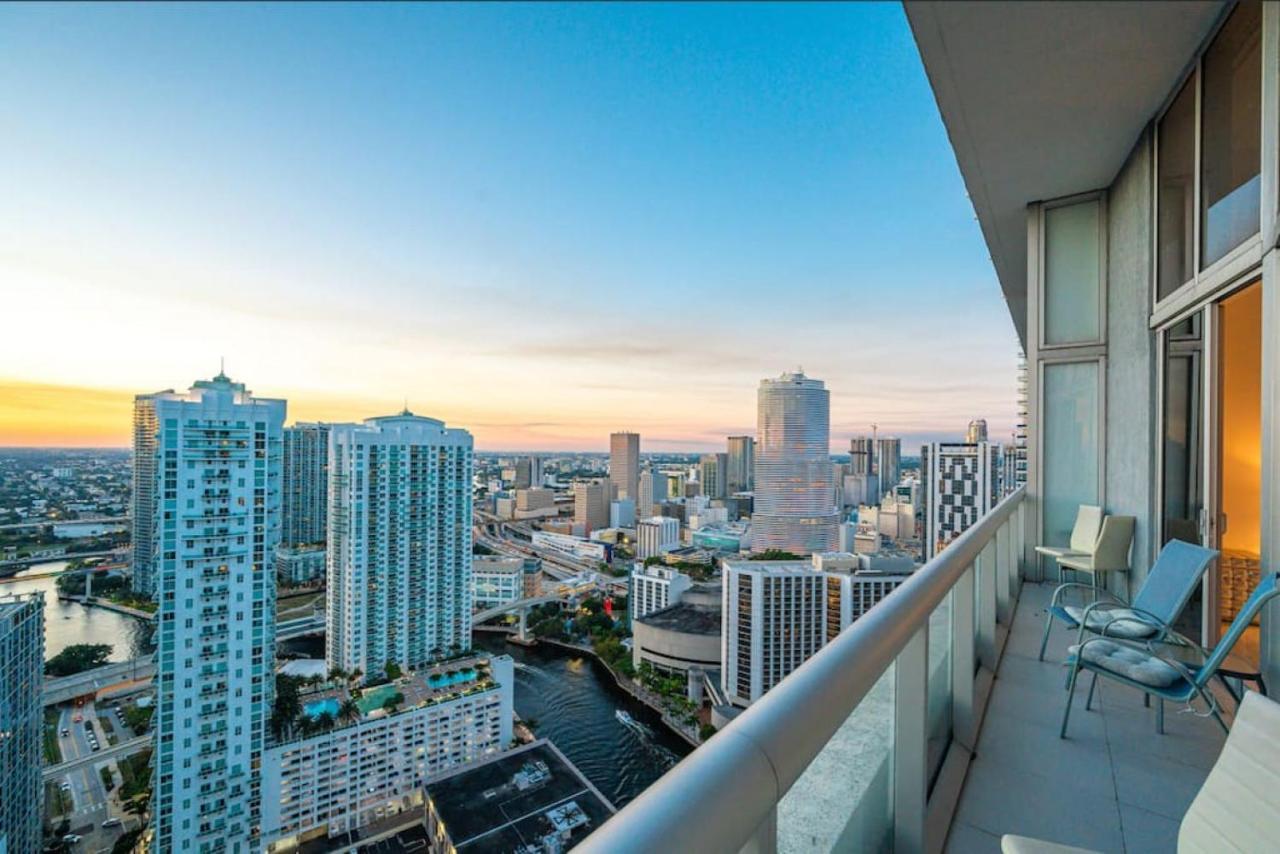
[1151, 667]
[1165, 592]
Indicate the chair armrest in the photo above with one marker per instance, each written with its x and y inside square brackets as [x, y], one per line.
[1148, 617]
[1012, 844]
[1090, 587]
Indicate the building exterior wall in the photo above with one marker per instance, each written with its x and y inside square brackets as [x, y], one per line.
[961, 481]
[303, 565]
[673, 651]
[306, 484]
[349, 776]
[591, 504]
[496, 581]
[656, 535]
[654, 588]
[21, 722]
[742, 464]
[217, 523]
[624, 465]
[399, 573]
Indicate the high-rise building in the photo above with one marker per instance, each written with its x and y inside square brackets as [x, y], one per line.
[862, 457]
[399, 574]
[306, 483]
[652, 490]
[622, 513]
[794, 497]
[1016, 453]
[977, 431]
[961, 482]
[624, 465]
[656, 536]
[528, 473]
[21, 722]
[776, 614]
[143, 510]
[888, 463]
[742, 464]
[654, 588]
[713, 472]
[591, 503]
[216, 517]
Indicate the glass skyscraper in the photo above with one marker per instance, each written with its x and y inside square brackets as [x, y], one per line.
[21, 721]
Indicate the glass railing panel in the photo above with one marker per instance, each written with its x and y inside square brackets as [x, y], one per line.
[939, 719]
[844, 799]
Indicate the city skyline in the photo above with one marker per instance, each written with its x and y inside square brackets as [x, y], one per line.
[471, 211]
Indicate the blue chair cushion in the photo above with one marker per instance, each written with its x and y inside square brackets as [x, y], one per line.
[1113, 622]
[1132, 664]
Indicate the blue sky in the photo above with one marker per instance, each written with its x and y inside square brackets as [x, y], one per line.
[541, 222]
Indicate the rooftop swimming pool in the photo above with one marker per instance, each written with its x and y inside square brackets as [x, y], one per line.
[316, 708]
[375, 697]
[443, 680]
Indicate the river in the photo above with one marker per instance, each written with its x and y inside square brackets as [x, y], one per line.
[66, 623]
[573, 701]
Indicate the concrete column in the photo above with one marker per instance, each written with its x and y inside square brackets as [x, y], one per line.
[522, 634]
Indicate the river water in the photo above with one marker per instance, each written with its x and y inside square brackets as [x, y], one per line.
[66, 623]
[574, 703]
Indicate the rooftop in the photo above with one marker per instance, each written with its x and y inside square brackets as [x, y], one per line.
[685, 618]
[515, 800]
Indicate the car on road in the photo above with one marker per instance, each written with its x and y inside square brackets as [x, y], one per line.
[66, 733]
[78, 719]
[64, 786]
[111, 822]
[71, 839]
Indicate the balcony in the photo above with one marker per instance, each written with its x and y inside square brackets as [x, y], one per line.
[930, 725]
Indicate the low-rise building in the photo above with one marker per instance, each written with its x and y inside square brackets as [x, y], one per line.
[656, 536]
[535, 503]
[530, 800]
[300, 565]
[578, 548]
[375, 764]
[681, 637]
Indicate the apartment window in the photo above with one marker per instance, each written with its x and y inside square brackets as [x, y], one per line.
[1176, 192]
[1073, 273]
[1072, 406]
[1231, 123]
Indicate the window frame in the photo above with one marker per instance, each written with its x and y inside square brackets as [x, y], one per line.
[1042, 278]
[1242, 261]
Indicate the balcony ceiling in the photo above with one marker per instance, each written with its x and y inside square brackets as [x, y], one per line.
[1043, 100]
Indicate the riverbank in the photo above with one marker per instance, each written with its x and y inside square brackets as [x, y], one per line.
[636, 692]
[107, 604]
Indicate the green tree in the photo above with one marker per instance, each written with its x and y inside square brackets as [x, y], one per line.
[78, 658]
[392, 670]
[776, 554]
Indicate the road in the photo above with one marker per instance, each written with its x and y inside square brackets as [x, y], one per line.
[88, 794]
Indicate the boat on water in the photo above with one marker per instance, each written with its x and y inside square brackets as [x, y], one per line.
[624, 718]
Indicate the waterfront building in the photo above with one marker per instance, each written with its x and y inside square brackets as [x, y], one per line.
[682, 637]
[216, 520]
[143, 498]
[306, 484]
[794, 500]
[651, 490]
[776, 614]
[713, 473]
[529, 800]
[656, 535]
[742, 464]
[977, 431]
[591, 503]
[21, 722]
[961, 485]
[655, 587]
[496, 581]
[624, 465]
[399, 574]
[372, 766]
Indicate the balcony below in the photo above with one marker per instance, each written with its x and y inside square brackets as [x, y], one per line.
[1113, 785]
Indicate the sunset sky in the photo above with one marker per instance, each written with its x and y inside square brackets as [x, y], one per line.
[541, 223]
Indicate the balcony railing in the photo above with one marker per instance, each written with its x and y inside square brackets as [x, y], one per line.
[864, 746]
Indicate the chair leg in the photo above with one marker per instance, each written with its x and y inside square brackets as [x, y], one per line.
[1088, 703]
[1160, 715]
[1044, 641]
[1071, 692]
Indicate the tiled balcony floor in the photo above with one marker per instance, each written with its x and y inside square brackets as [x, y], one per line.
[1112, 785]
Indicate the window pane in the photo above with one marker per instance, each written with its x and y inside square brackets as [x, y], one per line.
[844, 800]
[1070, 445]
[1232, 129]
[1177, 202]
[1071, 273]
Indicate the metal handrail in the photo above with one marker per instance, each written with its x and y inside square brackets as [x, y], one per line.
[719, 797]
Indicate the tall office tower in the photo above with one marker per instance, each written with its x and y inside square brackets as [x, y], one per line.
[399, 565]
[624, 464]
[713, 471]
[977, 431]
[742, 464]
[776, 614]
[528, 473]
[862, 458]
[218, 463]
[306, 483]
[143, 499]
[591, 503]
[888, 463]
[961, 485]
[21, 722]
[652, 489]
[794, 496]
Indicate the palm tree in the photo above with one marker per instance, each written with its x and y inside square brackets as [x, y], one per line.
[349, 710]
